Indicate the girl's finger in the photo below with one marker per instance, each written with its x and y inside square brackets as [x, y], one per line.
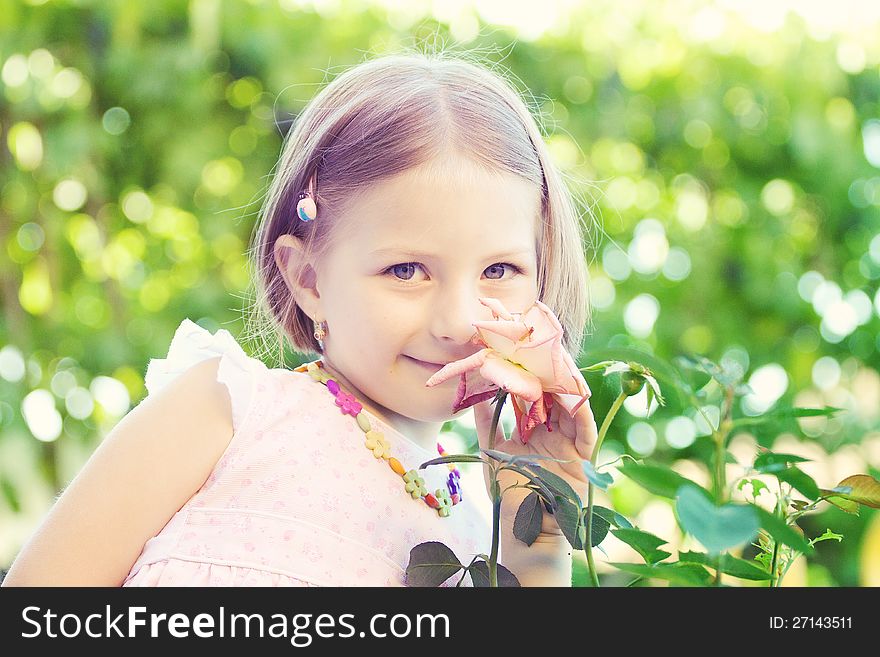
[587, 432]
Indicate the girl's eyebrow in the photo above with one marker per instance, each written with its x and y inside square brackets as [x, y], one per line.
[428, 256]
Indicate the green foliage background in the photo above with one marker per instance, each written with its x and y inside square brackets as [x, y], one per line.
[138, 138]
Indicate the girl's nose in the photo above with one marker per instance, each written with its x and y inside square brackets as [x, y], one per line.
[454, 315]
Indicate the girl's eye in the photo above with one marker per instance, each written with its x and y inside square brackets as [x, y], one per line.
[406, 266]
[496, 271]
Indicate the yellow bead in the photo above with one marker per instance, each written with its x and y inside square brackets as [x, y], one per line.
[378, 436]
[396, 466]
[363, 422]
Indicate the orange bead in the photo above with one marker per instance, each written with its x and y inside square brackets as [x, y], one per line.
[396, 466]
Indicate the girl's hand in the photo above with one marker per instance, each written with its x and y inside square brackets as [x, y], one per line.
[572, 439]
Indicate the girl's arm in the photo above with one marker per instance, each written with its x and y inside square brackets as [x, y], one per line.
[142, 473]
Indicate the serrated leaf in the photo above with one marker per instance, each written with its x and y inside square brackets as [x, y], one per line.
[771, 463]
[612, 516]
[599, 529]
[544, 491]
[842, 503]
[718, 528]
[685, 574]
[827, 536]
[568, 517]
[644, 543]
[799, 480]
[756, 484]
[730, 565]
[780, 531]
[529, 516]
[601, 480]
[479, 571]
[557, 484]
[431, 564]
[658, 480]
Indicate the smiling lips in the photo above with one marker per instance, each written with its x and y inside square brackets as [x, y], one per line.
[433, 366]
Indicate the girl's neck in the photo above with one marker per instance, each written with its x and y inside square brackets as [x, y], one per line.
[424, 434]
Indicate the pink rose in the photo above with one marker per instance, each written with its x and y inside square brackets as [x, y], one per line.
[522, 354]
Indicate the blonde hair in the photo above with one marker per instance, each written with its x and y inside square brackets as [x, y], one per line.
[383, 117]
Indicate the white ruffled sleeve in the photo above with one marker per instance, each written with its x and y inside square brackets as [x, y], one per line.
[192, 344]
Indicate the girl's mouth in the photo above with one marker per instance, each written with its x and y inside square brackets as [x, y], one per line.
[434, 367]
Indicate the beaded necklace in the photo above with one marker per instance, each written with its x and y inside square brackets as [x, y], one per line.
[442, 500]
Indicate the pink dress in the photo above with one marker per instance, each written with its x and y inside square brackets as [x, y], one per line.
[297, 499]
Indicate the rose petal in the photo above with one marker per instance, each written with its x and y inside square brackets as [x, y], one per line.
[571, 403]
[472, 389]
[511, 377]
[501, 335]
[497, 308]
[538, 414]
[454, 368]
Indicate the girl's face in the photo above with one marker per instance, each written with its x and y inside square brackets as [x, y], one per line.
[400, 290]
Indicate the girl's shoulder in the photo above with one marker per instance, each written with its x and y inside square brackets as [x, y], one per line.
[246, 378]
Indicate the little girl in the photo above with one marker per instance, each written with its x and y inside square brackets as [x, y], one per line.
[411, 187]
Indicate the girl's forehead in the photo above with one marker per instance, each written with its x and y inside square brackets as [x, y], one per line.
[421, 205]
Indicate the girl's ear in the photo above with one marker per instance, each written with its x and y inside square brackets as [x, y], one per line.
[289, 257]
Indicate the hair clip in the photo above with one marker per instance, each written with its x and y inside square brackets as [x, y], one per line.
[306, 209]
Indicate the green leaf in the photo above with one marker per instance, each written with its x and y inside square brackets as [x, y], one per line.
[534, 458]
[452, 458]
[730, 565]
[504, 457]
[601, 480]
[765, 560]
[685, 574]
[661, 370]
[865, 490]
[556, 483]
[612, 516]
[785, 414]
[771, 463]
[568, 517]
[658, 480]
[599, 529]
[827, 536]
[841, 502]
[544, 491]
[479, 571]
[756, 484]
[527, 524]
[431, 564]
[595, 367]
[780, 531]
[644, 543]
[800, 480]
[718, 528]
